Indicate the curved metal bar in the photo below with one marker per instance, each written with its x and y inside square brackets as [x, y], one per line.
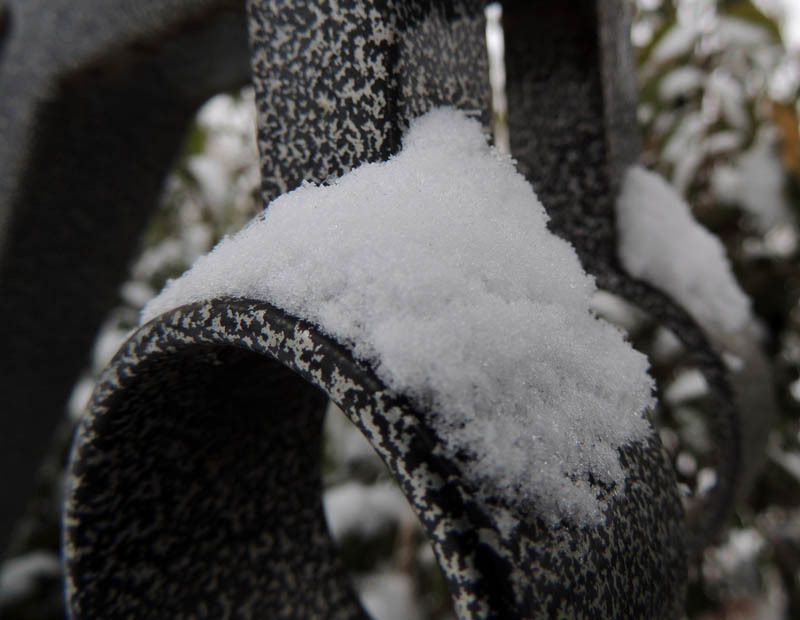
[195, 486]
[707, 516]
[94, 104]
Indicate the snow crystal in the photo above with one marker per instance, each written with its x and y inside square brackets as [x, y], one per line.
[661, 243]
[437, 268]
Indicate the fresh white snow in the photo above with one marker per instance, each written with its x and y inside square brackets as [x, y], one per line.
[437, 268]
[661, 243]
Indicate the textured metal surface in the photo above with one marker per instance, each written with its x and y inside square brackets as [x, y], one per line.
[337, 83]
[195, 489]
[94, 103]
[197, 481]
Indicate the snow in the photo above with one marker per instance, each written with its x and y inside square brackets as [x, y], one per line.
[685, 149]
[678, 41]
[738, 33]
[681, 81]
[344, 443]
[755, 181]
[109, 340]
[211, 177]
[18, 576]
[225, 114]
[437, 268]
[791, 24]
[686, 464]
[740, 549]
[790, 461]
[666, 345]
[136, 293]
[688, 385]
[617, 311]
[726, 92]
[356, 508]
[694, 428]
[661, 242]
[79, 398]
[723, 142]
[706, 480]
[389, 595]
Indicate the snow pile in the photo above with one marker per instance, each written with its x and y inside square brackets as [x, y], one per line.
[661, 243]
[438, 269]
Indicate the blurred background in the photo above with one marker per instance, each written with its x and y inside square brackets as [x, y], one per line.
[719, 83]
